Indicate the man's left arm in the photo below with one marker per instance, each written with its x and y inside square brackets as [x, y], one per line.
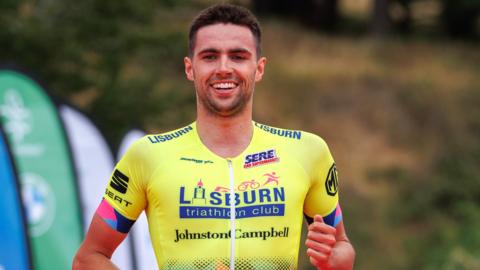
[329, 247]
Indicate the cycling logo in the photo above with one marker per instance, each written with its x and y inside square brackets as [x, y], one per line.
[331, 183]
[260, 158]
[253, 184]
[254, 198]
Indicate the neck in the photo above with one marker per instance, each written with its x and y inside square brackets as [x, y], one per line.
[225, 136]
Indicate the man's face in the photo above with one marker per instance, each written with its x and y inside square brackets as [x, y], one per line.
[224, 68]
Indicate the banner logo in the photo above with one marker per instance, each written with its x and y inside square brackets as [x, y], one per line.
[18, 123]
[18, 118]
[40, 203]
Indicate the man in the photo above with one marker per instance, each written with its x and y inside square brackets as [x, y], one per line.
[224, 192]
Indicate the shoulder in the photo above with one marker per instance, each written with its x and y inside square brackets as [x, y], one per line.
[308, 149]
[154, 144]
[295, 138]
[170, 136]
[278, 133]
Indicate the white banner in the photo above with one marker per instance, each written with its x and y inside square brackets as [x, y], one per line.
[94, 163]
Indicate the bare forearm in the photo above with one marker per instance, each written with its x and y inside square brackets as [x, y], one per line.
[342, 257]
[97, 248]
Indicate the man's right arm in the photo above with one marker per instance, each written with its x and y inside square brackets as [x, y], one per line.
[97, 248]
[122, 203]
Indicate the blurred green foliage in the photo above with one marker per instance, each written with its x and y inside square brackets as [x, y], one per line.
[121, 62]
[447, 201]
[102, 54]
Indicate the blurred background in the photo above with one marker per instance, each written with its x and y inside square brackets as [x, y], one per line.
[392, 86]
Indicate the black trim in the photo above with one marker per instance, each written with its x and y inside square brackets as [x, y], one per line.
[308, 219]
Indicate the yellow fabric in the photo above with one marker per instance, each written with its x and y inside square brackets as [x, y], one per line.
[184, 189]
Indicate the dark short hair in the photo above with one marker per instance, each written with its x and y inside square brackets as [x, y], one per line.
[225, 13]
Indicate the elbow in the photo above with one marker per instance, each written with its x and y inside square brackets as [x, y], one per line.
[77, 262]
[80, 261]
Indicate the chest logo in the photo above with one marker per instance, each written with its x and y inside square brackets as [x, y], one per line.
[252, 198]
[260, 158]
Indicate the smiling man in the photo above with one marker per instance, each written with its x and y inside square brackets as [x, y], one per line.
[224, 192]
[224, 67]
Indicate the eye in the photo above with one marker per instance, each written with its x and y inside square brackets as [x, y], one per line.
[238, 57]
[209, 57]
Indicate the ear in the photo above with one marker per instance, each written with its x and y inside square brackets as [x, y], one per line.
[260, 68]
[188, 68]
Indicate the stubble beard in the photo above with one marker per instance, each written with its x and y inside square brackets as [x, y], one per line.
[233, 108]
[237, 105]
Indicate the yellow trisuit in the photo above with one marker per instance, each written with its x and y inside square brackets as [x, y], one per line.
[189, 193]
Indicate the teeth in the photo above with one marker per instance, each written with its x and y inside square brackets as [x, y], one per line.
[224, 85]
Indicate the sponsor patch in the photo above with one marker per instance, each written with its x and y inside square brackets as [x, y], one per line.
[331, 183]
[119, 182]
[265, 234]
[260, 158]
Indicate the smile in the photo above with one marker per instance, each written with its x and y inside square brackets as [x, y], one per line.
[224, 85]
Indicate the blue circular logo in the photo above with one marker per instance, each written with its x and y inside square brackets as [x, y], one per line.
[40, 203]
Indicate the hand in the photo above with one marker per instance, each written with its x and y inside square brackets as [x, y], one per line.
[320, 242]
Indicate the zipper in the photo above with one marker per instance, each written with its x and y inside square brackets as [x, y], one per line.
[232, 215]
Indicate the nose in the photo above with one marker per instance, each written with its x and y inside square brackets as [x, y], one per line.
[224, 66]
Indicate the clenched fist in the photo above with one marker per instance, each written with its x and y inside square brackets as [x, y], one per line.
[320, 242]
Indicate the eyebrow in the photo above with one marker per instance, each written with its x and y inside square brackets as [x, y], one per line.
[235, 50]
[239, 50]
[208, 50]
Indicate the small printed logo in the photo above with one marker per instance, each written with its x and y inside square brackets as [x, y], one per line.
[198, 161]
[119, 182]
[331, 183]
[260, 158]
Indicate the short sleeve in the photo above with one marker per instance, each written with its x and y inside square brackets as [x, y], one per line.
[322, 197]
[125, 191]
